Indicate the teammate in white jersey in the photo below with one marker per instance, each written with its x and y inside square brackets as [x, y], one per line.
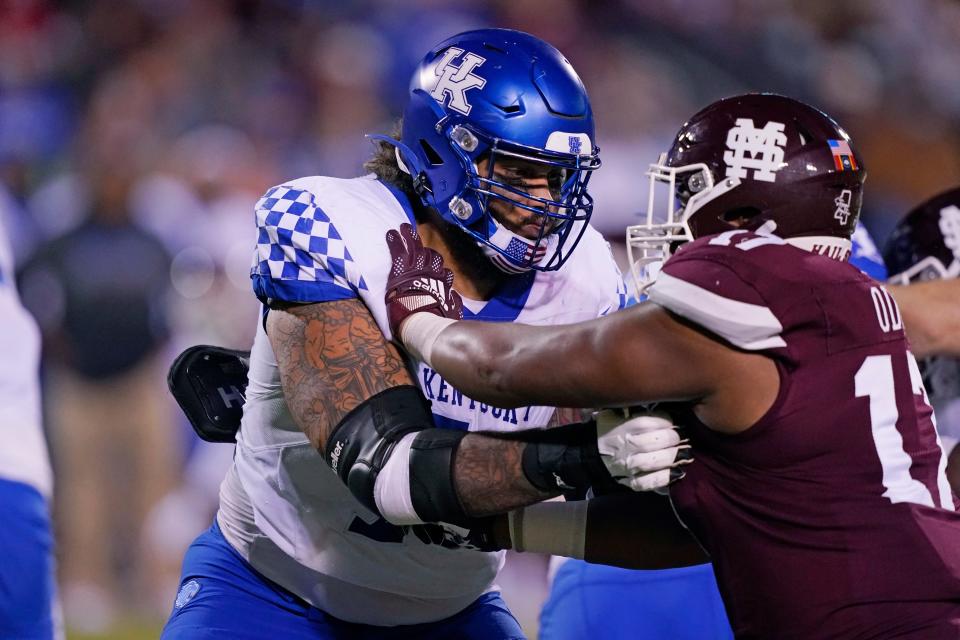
[28, 602]
[492, 164]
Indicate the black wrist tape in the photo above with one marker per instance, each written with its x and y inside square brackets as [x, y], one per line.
[564, 458]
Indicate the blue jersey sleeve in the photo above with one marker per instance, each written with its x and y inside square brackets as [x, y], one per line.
[300, 256]
[865, 256]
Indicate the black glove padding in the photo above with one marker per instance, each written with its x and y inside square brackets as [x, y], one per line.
[209, 384]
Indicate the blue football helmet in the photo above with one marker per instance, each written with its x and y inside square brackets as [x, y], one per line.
[497, 94]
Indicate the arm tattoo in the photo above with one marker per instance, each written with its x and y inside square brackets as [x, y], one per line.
[488, 472]
[489, 478]
[332, 357]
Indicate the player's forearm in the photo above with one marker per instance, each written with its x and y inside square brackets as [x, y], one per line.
[931, 316]
[348, 389]
[512, 365]
[493, 473]
[638, 531]
[488, 474]
[616, 360]
[481, 359]
[503, 364]
[630, 530]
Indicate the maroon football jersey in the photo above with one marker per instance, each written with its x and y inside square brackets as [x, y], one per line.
[831, 517]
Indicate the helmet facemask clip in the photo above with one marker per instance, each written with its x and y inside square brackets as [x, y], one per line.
[665, 227]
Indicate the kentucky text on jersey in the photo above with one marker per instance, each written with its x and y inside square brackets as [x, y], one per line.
[437, 390]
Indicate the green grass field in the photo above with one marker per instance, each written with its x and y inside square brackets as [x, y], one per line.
[125, 630]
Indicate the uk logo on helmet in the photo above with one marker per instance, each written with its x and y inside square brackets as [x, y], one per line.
[454, 81]
[749, 147]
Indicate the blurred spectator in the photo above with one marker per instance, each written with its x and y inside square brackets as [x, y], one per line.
[199, 203]
[98, 293]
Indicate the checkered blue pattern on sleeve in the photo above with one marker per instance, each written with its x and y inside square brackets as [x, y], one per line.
[621, 294]
[621, 299]
[300, 255]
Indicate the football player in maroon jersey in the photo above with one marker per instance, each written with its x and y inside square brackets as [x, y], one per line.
[818, 487]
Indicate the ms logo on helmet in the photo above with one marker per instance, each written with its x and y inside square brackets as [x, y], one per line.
[764, 146]
[455, 81]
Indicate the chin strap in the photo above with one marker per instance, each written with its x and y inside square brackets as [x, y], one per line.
[408, 162]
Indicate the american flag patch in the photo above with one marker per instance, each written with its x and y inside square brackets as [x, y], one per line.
[522, 255]
[842, 155]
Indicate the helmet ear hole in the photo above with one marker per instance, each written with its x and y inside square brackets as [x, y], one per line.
[740, 217]
[431, 154]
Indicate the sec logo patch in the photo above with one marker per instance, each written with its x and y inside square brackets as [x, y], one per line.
[186, 593]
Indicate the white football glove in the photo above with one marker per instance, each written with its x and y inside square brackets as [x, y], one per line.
[643, 452]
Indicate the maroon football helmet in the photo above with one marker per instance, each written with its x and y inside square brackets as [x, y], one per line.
[761, 162]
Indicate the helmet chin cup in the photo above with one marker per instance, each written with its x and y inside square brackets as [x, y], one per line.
[513, 254]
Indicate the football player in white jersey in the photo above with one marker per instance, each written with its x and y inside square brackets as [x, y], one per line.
[344, 453]
[28, 602]
[923, 251]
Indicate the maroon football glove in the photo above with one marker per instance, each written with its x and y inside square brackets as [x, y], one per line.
[418, 280]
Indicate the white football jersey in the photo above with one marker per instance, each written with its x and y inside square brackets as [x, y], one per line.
[23, 456]
[282, 507]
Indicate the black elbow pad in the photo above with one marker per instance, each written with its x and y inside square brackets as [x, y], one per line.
[360, 444]
[432, 491]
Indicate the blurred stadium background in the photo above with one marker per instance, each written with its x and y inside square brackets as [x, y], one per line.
[135, 136]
